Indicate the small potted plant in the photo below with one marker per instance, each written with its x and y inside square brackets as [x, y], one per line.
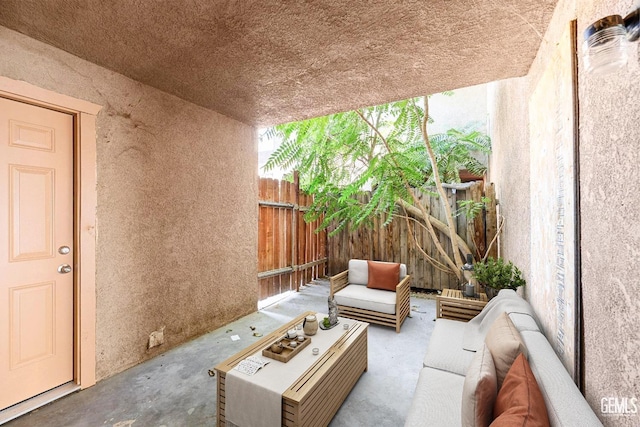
[496, 274]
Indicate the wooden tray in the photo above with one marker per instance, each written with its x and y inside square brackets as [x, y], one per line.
[287, 352]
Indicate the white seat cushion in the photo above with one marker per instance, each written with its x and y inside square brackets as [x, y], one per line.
[359, 296]
[436, 401]
[445, 350]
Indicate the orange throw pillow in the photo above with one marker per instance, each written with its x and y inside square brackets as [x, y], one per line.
[383, 275]
[520, 402]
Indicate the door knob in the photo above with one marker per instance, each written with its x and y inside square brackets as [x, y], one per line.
[64, 250]
[64, 268]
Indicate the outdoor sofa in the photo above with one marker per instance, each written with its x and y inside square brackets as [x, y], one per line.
[373, 298]
[443, 385]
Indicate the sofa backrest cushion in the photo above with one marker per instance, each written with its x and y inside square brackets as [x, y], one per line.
[524, 322]
[506, 301]
[505, 343]
[520, 401]
[359, 272]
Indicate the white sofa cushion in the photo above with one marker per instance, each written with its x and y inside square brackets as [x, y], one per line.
[359, 272]
[367, 299]
[436, 401]
[445, 350]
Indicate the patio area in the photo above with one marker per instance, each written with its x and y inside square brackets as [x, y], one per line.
[175, 388]
[157, 112]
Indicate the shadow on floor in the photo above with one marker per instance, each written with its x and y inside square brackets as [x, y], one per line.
[175, 389]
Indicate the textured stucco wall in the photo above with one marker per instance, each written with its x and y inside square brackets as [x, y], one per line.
[609, 155]
[177, 206]
[509, 167]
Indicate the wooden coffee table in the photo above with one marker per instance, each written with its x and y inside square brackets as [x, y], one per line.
[452, 304]
[315, 397]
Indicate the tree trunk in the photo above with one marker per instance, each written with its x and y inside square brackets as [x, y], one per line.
[443, 195]
[439, 225]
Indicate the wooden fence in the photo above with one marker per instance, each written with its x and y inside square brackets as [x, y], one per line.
[290, 253]
[394, 242]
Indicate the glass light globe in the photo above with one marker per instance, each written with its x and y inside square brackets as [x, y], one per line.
[605, 46]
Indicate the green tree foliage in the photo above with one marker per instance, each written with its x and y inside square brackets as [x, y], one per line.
[379, 149]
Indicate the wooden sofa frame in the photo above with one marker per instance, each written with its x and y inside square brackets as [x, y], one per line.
[403, 303]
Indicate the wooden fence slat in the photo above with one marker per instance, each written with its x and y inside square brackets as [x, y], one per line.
[262, 228]
[275, 194]
[437, 274]
[478, 223]
[296, 240]
[404, 242]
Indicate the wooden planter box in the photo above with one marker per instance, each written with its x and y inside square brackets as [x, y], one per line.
[452, 304]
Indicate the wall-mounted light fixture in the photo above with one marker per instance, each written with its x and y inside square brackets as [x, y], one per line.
[605, 47]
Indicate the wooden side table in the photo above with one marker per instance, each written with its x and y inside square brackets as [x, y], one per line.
[452, 304]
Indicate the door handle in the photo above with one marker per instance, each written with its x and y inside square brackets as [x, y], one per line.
[64, 268]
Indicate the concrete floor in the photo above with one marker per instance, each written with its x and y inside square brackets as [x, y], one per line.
[175, 389]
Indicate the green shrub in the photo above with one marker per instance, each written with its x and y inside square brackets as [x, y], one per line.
[498, 274]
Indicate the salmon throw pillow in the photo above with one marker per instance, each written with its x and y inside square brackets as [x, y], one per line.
[383, 275]
[520, 402]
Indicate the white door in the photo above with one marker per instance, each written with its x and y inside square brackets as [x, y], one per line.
[36, 250]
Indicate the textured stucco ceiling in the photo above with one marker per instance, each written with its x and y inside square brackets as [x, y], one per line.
[266, 62]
